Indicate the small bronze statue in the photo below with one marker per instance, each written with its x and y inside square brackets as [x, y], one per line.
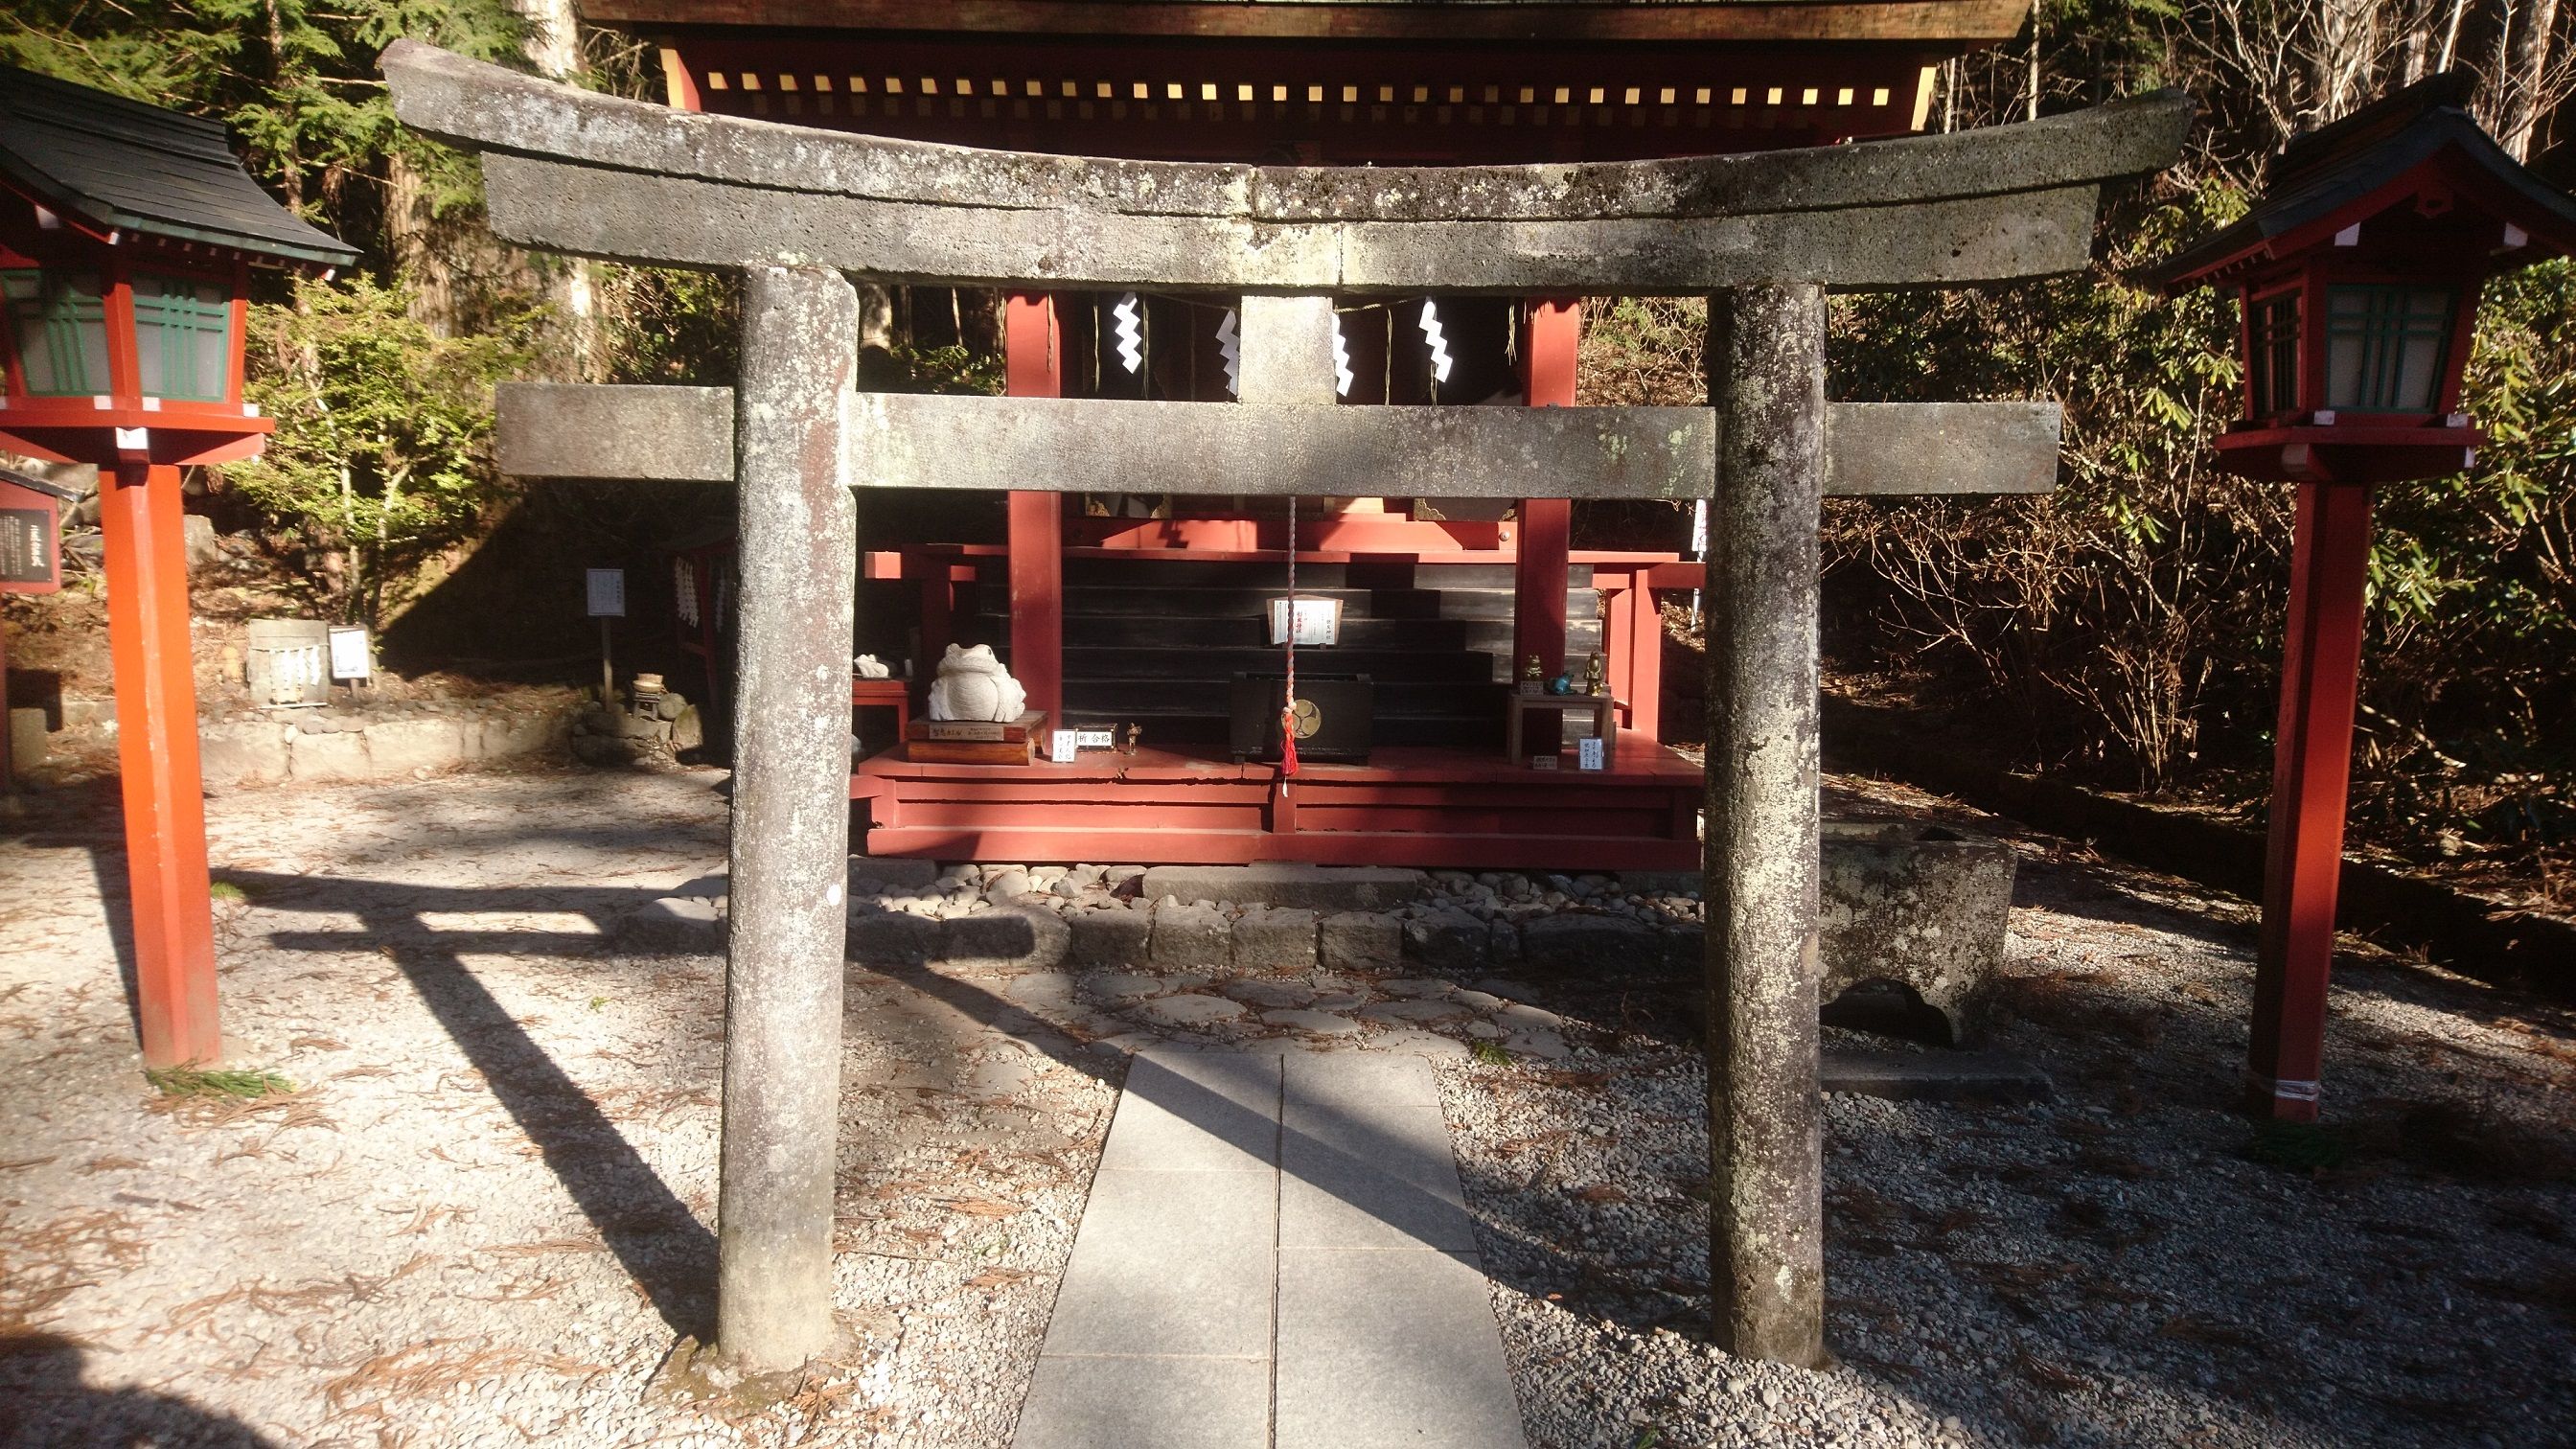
[1533, 671]
[1133, 731]
[1592, 676]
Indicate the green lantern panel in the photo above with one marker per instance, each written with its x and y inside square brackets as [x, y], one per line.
[2384, 347]
[183, 336]
[58, 321]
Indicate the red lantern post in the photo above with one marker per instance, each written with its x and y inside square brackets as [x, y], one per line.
[126, 238]
[2358, 274]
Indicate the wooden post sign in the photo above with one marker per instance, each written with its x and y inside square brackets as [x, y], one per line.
[31, 534]
[794, 210]
[31, 562]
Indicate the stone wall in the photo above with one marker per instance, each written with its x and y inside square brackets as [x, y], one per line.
[315, 746]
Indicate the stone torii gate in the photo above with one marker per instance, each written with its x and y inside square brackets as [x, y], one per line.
[1762, 235]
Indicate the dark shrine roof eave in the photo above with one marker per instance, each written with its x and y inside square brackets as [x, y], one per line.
[2360, 187]
[1958, 24]
[123, 166]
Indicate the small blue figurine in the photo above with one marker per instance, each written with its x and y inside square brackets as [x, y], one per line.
[1562, 684]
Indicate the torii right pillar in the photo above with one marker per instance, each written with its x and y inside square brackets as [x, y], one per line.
[1766, 1262]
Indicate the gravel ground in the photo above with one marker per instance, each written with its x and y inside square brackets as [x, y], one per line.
[482, 1218]
[2120, 1266]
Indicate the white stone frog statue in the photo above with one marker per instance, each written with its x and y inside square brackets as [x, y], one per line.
[972, 684]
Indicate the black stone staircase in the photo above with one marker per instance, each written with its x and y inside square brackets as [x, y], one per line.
[1157, 641]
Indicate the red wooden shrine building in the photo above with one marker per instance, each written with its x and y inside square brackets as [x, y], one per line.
[1135, 610]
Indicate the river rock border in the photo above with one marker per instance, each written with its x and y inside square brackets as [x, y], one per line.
[1922, 907]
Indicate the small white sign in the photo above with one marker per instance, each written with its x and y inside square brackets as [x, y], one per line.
[1591, 754]
[350, 656]
[1095, 739]
[1318, 621]
[607, 593]
[1067, 744]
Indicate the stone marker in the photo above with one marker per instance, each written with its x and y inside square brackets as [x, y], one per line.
[1360, 941]
[1191, 938]
[1277, 942]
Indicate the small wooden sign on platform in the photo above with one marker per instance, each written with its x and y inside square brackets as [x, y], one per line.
[975, 741]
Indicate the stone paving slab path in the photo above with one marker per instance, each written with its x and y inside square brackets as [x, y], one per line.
[1275, 1252]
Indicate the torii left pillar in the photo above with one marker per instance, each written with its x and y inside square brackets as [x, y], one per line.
[156, 747]
[791, 819]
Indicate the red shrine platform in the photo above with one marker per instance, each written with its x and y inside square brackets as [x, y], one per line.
[1411, 805]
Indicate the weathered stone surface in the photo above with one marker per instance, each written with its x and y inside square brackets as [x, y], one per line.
[1925, 907]
[904, 440]
[26, 727]
[1419, 986]
[1009, 938]
[1316, 1023]
[1191, 937]
[1361, 942]
[508, 736]
[1415, 1012]
[1979, 205]
[324, 757]
[883, 939]
[1312, 887]
[573, 430]
[1412, 1042]
[891, 873]
[1446, 941]
[1766, 370]
[1259, 992]
[672, 923]
[789, 839]
[1587, 944]
[1109, 938]
[230, 755]
[1122, 986]
[1537, 1043]
[399, 746]
[1286, 350]
[1275, 941]
[1191, 1009]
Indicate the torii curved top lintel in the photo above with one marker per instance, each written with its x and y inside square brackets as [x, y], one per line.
[576, 171]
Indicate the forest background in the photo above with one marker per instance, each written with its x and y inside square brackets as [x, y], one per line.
[2123, 632]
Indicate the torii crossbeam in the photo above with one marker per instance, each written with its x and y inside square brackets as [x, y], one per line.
[1763, 235]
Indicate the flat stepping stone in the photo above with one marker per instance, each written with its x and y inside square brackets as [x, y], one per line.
[1519, 1015]
[1275, 1253]
[1414, 1012]
[1321, 1023]
[1538, 1043]
[1421, 1044]
[1270, 993]
[1425, 986]
[1191, 1009]
[1121, 986]
[1477, 1000]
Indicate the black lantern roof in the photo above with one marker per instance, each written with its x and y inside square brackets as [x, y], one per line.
[2345, 173]
[119, 165]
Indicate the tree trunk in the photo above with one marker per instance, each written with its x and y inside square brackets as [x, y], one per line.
[2526, 81]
